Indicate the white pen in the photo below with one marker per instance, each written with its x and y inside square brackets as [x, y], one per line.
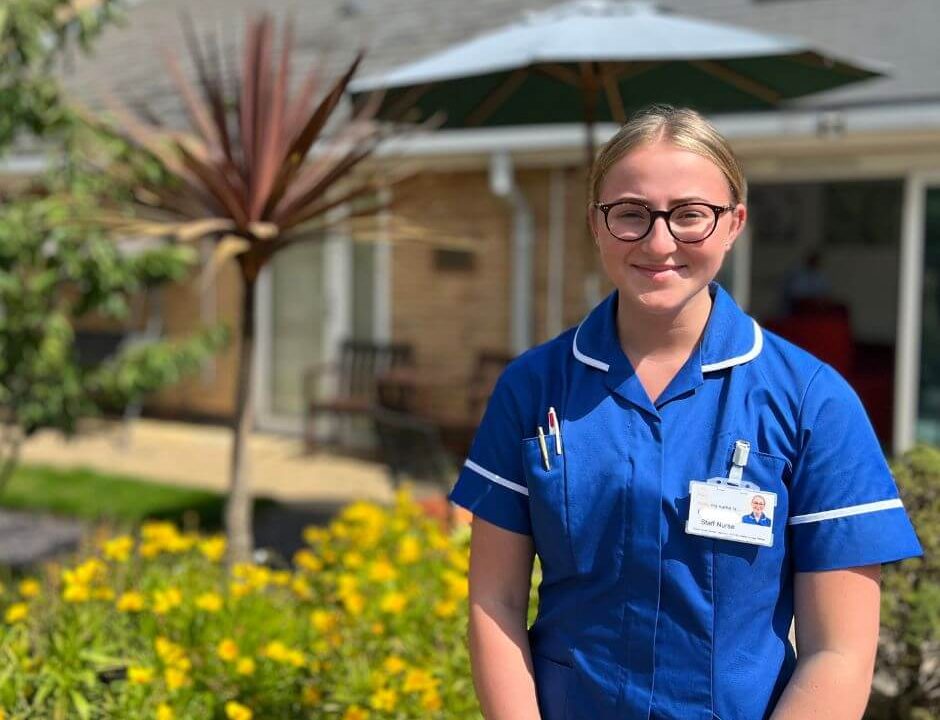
[554, 427]
[544, 449]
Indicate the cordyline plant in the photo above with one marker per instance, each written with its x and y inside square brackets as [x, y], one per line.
[258, 175]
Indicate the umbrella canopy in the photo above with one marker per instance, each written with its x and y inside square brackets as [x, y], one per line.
[598, 60]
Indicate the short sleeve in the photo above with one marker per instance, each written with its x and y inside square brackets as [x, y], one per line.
[491, 484]
[844, 505]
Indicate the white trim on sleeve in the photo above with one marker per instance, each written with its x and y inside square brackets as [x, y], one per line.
[482, 471]
[846, 511]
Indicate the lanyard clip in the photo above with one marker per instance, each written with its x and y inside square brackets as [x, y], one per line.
[742, 449]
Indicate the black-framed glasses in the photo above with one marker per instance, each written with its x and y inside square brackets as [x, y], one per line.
[630, 221]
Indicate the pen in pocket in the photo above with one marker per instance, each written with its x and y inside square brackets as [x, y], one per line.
[544, 448]
[554, 428]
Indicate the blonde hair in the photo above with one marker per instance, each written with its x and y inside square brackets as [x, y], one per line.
[682, 127]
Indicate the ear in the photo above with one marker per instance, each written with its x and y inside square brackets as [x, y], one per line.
[738, 221]
[594, 217]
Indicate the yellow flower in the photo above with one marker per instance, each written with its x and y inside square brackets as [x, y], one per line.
[377, 628]
[382, 571]
[311, 696]
[445, 608]
[353, 560]
[394, 665]
[210, 602]
[456, 584]
[409, 550]
[308, 561]
[213, 548]
[347, 584]
[175, 678]
[354, 712]
[130, 602]
[166, 600]
[385, 699]
[239, 589]
[17, 612]
[171, 653]
[29, 588]
[280, 578]
[313, 534]
[323, 620]
[460, 560]
[140, 675]
[354, 603]
[245, 666]
[296, 658]
[301, 588]
[237, 711]
[417, 680]
[86, 573]
[393, 602]
[119, 548]
[227, 650]
[165, 712]
[431, 700]
[75, 593]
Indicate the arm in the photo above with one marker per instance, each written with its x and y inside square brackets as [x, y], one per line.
[500, 576]
[837, 618]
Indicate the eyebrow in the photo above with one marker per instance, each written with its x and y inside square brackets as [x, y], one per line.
[672, 202]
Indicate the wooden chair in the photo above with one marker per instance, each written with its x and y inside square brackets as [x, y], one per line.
[353, 392]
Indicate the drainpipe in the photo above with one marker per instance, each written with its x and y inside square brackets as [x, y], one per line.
[503, 185]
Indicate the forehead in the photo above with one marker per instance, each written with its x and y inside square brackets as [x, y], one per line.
[662, 171]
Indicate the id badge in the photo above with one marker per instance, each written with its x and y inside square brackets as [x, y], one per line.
[731, 512]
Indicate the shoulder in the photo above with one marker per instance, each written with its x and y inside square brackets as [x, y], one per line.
[540, 362]
[813, 389]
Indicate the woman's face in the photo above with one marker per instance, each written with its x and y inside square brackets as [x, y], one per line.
[757, 506]
[658, 273]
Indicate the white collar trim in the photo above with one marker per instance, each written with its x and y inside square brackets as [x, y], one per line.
[711, 367]
[749, 355]
[593, 362]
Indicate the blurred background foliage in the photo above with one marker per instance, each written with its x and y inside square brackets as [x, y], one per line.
[56, 265]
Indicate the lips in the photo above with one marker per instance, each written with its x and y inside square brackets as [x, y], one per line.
[658, 271]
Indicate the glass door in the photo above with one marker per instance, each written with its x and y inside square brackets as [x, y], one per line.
[928, 415]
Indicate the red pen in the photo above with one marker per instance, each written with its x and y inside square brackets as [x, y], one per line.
[554, 428]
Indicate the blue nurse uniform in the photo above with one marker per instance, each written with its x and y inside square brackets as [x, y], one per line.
[637, 618]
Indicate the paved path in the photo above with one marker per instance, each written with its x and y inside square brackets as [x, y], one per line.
[198, 456]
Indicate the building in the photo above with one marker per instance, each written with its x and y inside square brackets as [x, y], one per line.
[853, 175]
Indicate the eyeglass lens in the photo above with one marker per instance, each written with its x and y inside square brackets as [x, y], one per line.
[687, 223]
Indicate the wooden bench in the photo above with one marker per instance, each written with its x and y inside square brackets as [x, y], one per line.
[353, 391]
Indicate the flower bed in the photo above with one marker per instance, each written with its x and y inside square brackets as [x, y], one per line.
[370, 623]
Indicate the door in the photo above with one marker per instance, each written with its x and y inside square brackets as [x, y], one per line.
[928, 414]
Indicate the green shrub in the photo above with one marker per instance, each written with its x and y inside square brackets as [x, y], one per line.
[908, 676]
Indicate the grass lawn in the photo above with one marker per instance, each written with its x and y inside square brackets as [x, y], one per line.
[91, 495]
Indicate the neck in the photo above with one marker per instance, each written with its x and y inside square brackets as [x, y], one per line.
[651, 335]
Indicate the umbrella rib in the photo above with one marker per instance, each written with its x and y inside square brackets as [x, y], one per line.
[482, 112]
[614, 101]
[560, 72]
[736, 79]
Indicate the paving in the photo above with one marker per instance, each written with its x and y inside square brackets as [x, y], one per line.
[199, 455]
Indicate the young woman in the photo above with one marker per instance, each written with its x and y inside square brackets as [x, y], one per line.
[625, 454]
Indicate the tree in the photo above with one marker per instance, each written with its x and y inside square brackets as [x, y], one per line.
[259, 174]
[53, 270]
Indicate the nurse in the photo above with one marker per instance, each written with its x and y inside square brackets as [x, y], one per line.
[667, 395]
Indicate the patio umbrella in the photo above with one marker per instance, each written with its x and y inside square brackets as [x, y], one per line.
[598, 60]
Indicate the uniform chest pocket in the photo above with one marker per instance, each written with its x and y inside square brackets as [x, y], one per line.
[548, 508]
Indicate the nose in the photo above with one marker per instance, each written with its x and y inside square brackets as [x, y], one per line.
[659, 241]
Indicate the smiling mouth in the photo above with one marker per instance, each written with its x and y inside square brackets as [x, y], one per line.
[658, 269]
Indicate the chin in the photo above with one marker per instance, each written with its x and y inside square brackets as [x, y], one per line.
[659, 301]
